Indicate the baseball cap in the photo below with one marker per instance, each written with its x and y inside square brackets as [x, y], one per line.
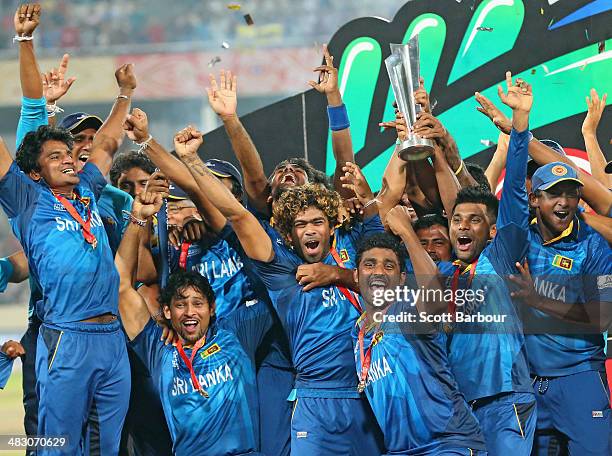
[608, 168]
[532, 166]
[222, 168]
[551, 174]
[80, 121]
[176, 193]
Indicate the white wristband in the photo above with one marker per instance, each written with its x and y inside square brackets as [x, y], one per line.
[369, 203]
[20, 38]
[143, 145]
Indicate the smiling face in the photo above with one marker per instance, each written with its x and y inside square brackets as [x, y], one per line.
[82, 147]
[556, 207]
[133, 181]
[378, 270]
[470, 230]
[190, 314]
[287, 175]
[310, 235]
[57, 166]
[436, 242]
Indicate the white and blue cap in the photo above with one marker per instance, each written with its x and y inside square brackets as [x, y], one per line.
[79, 121]
[551, 174]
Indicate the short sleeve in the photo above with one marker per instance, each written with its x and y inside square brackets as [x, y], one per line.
[280, 272]
[92, 179]
[6, 366]
[17, 192]
[250, 324]
[597, 276]
[33, 115]
[148, 346]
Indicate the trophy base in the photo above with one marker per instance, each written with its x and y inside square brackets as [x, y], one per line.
[415, 148]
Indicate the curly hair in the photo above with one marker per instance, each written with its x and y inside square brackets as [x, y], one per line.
[29, 151]
[127, 160]
[298, 199]
[179, 281]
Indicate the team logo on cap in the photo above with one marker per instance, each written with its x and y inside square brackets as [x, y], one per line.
[563, 262]
[559, 170]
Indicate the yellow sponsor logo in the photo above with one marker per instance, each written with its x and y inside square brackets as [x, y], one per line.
[563, 262]
[559, 170]
[344, 256]
[210, 351]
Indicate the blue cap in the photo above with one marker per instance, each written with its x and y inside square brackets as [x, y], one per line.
[551, 174]
[176, 193]
[80, 121]
[222, 168]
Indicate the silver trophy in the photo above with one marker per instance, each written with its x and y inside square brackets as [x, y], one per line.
[403, 69]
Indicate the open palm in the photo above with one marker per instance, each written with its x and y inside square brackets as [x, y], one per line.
[222, 98]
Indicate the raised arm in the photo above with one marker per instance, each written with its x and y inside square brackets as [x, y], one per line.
[253, 238]
[342, 145]
[110, 135]
[448, 185]
[137, 128]
[27, 18]
[425, 270]
[223, 100]
[596, 107]
[498, 162]
[132, 306]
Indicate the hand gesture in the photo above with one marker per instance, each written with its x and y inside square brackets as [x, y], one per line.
[146, 204]
[222, 98]
[428, 127]
[315, 275]
[194, 228]
[27, 18]
[526, 291]
[422, 97]
[399, 124]
[168, 335]
[136, 126]
[498, 118]
[519, 97]
[126, 79]
[54, 83]
[158, 183]
[596, 107]
[354, 180]
[188, 141]
[398, 219]
[328, 75]
[12, 349]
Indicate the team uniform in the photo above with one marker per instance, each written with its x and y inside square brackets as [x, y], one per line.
[6, 365]
[54, 243]
[488, 359]
[568, 368]
[229, 271]
[413, 394]
[111, 204]
[330, 417]
[226, 422]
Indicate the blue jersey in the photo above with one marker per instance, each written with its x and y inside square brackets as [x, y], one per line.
[412, 392]
[227, 422]
[318, 322]
[112, 203]
[221, 261]
[6, 365]
[33, 115]
[489, 358]
[77, 281]
[574, 268]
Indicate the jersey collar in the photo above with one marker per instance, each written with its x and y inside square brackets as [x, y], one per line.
[571, 230]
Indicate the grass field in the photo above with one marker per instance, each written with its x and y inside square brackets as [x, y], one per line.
[11, 408]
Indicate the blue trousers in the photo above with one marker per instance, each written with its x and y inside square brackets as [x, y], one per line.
[573, 415]
[83, 386]
[508, 423]
[330, 427]
[273, 386]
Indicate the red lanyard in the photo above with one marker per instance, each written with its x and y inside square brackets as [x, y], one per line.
[452, 307]
[189, 363]
[85, 224]
[346, 292]
[366, 359]
[183, 257]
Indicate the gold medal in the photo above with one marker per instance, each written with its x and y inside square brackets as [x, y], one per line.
[361, 387]
[203, 393]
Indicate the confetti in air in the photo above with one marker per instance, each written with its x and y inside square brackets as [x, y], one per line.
[216, 59]
[248, 19]
[233, 6]
[487, 142]
[225, 45]
[485, 29]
